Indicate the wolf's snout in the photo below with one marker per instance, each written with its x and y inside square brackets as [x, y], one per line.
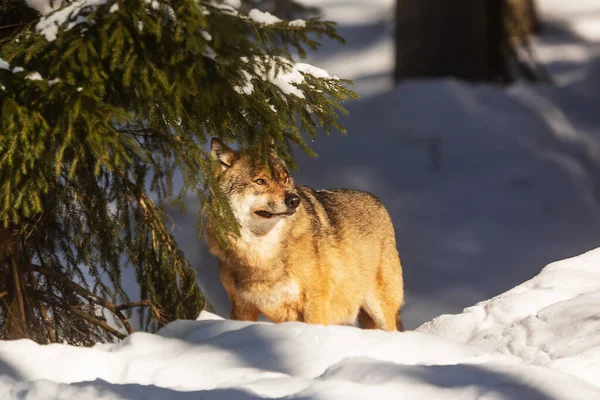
[292, 200]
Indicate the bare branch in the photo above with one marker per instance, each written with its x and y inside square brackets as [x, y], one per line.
[47, 321]
[19, 298]
[83, 292]
[126, 306]
[96, 321]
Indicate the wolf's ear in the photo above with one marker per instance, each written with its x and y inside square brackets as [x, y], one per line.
[222, 153]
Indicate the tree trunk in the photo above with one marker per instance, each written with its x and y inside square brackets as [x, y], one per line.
[465, 39]
[498, 51]
[12, 279]
[437, 38]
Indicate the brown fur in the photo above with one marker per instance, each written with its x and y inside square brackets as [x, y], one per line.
[332, 262]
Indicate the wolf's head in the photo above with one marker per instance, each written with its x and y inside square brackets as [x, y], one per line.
[260, 197]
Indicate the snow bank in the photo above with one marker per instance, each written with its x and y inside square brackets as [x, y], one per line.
[536, 341]
[217, 359]
[550, 321]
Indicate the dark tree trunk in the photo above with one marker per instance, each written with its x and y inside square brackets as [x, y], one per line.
[465, 39]
[497, 44]
[12, 279]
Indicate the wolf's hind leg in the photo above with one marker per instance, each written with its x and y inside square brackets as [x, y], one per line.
[377, 310]
[399, 324]
[365, 321]
[384, 302]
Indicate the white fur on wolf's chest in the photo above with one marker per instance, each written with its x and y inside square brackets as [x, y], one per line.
[260, 239]
[260, 250]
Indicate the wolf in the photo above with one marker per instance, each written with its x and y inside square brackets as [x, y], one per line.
[315, 256]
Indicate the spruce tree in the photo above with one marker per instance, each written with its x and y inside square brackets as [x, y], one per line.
[105, 106]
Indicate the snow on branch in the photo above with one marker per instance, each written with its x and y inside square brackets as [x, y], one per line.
[282, 73]
[34, 76]
[4, 65]
[69, 15]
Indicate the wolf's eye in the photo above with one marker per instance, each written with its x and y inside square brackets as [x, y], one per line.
[261, 182]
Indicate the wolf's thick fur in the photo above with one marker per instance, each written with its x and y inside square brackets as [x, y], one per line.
[318, 256]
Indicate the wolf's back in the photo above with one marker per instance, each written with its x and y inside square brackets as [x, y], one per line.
[353, 213]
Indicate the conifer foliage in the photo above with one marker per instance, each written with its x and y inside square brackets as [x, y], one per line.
[104, 105]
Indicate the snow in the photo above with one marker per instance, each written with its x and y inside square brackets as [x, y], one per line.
[308, 69]
[286, 78]
[247, 87]
[264, 18]
[536, 341]
[297, 23]
[69, 16]
[225, 7]
[43, 6]
[114, 8]
[34, 76]
[155, 5]
[207, 36]
[233, 3]
[550, 320]
[4, 65]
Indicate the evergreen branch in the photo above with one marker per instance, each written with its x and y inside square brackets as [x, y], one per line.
[86, 316]
[83, 292]
[134, 304]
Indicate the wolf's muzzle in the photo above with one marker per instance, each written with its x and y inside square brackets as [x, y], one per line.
[292, 200]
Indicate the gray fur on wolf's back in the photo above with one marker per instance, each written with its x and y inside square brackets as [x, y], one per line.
[334, 209]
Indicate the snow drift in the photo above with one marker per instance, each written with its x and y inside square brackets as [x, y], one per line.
[531, 342]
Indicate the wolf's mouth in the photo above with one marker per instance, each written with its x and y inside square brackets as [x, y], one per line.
[266, 214]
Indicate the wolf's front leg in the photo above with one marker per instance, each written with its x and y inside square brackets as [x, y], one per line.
[243, 311]
[316, 311]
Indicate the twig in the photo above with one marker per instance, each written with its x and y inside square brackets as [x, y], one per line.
[134, 304]
[13, 25]
[83, 292]
[47, 322]
[96, 321]
[19, 294]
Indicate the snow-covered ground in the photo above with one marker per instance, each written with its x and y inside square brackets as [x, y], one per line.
[551, 320]
[537, 341]
[518, 187]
